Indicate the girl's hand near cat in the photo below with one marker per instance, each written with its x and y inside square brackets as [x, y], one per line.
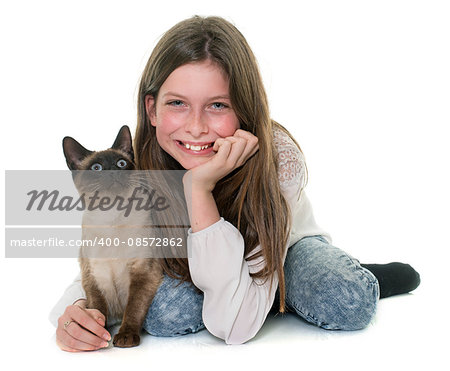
[85, 331]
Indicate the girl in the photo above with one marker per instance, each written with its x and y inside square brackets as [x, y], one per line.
[202, 107]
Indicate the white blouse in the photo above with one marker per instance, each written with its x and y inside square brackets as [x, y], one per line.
[235, 305]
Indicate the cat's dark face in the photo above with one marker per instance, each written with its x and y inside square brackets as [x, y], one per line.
[119, 157]
[101, 170]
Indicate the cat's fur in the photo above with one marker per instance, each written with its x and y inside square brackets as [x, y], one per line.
[119, 287]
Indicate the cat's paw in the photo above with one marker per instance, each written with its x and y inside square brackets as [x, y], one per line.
[126, 340]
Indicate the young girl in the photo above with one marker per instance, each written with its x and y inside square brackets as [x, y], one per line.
[202, 107]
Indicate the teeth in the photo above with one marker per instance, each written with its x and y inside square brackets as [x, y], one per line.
[195, 148]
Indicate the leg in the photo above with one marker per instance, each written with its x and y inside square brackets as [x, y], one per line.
[327, 287]
[94, 296]
[175, 310]
[146, 276]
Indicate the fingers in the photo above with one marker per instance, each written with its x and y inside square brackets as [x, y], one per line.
[97, 316]
[252, 141]
[231, 153]
[69, 343]
[81, 334]
[85, 320]
[251, 146]
[81, 330]
[237, 149]
[223, 148]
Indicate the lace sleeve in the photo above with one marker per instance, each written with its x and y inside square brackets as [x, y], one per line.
[291, 162]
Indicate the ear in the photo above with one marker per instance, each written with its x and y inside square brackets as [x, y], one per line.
[150, 109]
[124, 142]
[74, 152]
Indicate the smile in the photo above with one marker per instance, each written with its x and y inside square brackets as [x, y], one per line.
[193, 147]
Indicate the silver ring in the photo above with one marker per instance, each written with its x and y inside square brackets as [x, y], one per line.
[66, 324]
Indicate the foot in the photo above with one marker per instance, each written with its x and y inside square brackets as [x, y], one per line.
[126, 339]
[394, 278]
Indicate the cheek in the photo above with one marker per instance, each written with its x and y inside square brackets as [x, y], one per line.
[167, 123]
[226, 126]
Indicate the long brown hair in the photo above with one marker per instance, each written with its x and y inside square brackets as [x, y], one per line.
[249, 197]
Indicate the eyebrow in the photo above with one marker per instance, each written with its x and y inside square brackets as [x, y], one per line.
[183, 97]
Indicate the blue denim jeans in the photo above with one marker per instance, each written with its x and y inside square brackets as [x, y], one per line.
[324, 285]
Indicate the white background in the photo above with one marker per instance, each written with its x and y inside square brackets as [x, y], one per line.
[364, 86]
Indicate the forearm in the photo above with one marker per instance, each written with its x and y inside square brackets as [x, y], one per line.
[234, 307]
[202, 207]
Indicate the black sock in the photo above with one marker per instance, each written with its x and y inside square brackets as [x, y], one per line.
[394, 278]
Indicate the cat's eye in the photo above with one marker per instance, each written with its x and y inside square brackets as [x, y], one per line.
[121, 163]
[96, 167]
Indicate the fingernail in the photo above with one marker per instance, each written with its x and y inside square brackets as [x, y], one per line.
[105, 344]
[107, 336]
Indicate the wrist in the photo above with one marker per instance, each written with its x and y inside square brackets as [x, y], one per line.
[202, 207]
[200, 186]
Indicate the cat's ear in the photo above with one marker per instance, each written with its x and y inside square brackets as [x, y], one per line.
[124, 142]
[74, 152]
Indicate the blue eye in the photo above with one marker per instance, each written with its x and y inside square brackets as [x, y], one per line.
[218, 105]
[176, 103]
[121, 163]
[96, 167]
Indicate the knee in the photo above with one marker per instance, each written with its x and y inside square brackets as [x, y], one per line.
[328, 287]
[173, 323]
[338, 299]
[175, 312]
[352, 300]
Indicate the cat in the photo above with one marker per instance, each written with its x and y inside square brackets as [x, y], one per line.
[118, 283]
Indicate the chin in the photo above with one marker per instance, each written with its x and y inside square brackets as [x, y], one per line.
[189, 164]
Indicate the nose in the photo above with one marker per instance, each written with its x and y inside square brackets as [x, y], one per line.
[196, 124]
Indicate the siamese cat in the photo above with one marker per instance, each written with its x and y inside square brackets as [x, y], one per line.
[120, 282]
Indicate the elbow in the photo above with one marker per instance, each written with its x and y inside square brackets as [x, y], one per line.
[242, 334]
[236, 333]
[238, 340]
[232, 337]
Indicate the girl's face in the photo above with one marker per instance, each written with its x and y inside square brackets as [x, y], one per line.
[192, 110]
